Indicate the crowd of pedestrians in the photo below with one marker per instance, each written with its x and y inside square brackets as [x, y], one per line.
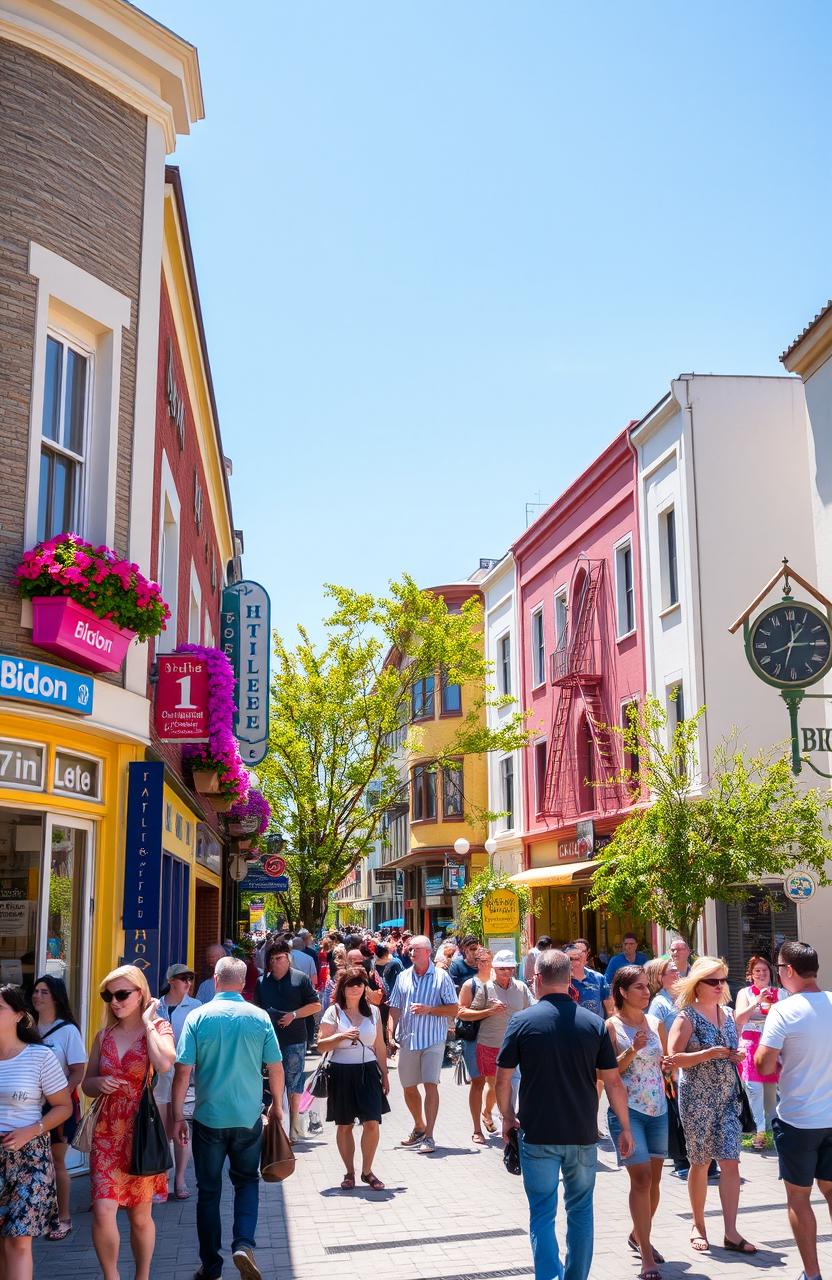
[659, 1037]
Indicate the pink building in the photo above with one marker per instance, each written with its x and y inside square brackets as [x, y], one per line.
[582, 664]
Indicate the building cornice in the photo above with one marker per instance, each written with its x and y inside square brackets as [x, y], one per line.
[812, 347]
[119, 48]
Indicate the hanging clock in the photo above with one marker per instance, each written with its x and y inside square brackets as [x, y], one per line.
[790, 644]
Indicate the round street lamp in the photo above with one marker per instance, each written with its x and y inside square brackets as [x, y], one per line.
[461, 847]
[490, 847]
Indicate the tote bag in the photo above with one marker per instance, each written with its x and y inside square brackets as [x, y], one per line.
[151, 1149]
[277, 1159]
[86, 1128]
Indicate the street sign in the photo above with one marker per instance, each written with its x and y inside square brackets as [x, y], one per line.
[281, 884]
[246, 641]
[274, 866]
[800, 886]
[181, 700]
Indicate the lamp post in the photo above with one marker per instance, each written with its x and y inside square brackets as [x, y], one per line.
[461, 846]
[490, 848]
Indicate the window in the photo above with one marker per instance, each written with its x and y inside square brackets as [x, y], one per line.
[539, 776]
[194, 619]
[423, 804]
[453, 796]
[586, 766]
[168, 570]
[668, 559]
[66, 400]
[422, 699]
[675, 714]
[624, 590]
[504, 664]
[538, 649]
[451, 698]
[561, 615]
[631, 760]
[197, 504]
[507, 791]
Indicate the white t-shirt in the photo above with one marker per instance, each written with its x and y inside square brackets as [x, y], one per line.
[801, 1028]
[25, 1080]
[65, 1043]
[352, 1053]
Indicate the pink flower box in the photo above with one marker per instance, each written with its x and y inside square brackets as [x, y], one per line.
[62, 626]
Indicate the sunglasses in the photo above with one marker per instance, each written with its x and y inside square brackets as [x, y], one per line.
[119, 996]
[183, 977]
[713, 982]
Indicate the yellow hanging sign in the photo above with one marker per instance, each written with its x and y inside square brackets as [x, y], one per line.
[501, 912]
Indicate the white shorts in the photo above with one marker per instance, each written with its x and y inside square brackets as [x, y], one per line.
[421, 1066]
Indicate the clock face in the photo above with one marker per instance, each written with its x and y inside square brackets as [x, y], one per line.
[791, 644]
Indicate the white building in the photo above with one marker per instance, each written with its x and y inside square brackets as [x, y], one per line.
[505, 783]
[725, 492]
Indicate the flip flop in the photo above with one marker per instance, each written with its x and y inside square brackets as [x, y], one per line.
[478, 1139]
[650, 1274]
[657, 1257]
[488, 1123]
[738, 1246]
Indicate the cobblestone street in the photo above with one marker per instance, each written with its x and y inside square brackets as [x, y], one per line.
[456, 1215]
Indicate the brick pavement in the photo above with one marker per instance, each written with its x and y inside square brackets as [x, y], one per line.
[453, 1216]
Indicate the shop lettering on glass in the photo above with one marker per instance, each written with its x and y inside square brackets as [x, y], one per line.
[246, 642]
[77, 775]
[21, 764]
[143, 867]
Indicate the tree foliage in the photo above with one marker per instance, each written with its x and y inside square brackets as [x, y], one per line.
[689, 844]
[339, 711]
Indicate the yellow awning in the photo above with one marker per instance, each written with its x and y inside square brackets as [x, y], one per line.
[547, 877]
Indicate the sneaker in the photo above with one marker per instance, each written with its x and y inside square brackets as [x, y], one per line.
[427, 1147]
[681, 1174]
[416, 1136]
[243, 1259]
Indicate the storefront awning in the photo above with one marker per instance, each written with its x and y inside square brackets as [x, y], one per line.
[398, 923]
[548, 877]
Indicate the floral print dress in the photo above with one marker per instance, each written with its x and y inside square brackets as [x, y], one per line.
[709, 1100]
[643, 1079]
[112, 1146]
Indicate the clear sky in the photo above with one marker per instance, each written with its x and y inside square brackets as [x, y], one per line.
[446, 249]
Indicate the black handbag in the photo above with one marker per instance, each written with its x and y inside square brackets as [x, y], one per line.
[151, 1148]
[318, 1084]
[511, 1153]
[676, 1146]
[463, 1029]
[747, 1122]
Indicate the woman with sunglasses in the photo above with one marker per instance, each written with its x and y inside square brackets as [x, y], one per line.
[132, 1041]
[58, 1030]
[703, 1044]
[174, 1006]
[352, 1033]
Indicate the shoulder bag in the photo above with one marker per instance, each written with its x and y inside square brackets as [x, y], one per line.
[747, 1122]
[465, 1029]
[151, 1149]
[277, 1159]
[82, 1141]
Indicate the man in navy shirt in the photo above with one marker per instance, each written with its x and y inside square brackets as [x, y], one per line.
[629, 954]
[559, 1047]
[464, 964]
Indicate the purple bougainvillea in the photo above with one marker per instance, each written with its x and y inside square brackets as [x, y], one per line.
[220, 752]
[256, 806]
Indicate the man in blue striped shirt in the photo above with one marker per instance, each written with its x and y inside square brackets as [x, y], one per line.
[423, 1000]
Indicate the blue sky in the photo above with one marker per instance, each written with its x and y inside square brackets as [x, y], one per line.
[447, 250]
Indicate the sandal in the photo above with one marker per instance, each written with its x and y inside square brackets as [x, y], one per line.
[758, 1142]
[348, 1182]
[374, 1183]
[738, 1246]
[650, 1274]
[699, 1243]
[657, 1257]
[489, 1123]
[478, 1139]
[61, 1231]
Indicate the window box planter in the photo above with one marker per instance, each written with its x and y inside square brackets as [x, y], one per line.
[60, 625]
[220, 804]
[206, 782]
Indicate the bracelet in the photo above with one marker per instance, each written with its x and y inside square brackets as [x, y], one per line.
[42, 1130]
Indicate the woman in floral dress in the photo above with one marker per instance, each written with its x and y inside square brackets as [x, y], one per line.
[703, 1044]
[640, 1042]
[132, 1041]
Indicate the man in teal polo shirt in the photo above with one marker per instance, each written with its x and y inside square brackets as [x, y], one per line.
[228, 1041]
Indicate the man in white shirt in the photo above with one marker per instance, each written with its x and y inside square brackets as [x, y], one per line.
[800, 1031]
[679, 952]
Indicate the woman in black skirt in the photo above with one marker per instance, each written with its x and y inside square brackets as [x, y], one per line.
[351, 1032]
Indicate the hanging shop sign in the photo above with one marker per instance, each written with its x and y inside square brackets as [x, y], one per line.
[580, 848]
[262, 879]
[28, 681]
[501, 912]
[181, 703]
[77, 775]
[143, 867]
[246, 642]
[799, 886]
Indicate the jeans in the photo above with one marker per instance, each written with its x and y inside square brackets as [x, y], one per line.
[542, 1166]
[242, 1147]
[763, 1099]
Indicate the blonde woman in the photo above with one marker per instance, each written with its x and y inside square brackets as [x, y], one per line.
[132, 1041]
[703, 1044]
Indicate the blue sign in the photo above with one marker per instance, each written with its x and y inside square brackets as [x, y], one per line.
[141, 948]
[246, 640]
[49, 686]
[143, 846]
[281, 884]
[257, 881]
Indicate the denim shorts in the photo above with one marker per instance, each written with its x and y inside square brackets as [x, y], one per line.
[294, 1056]
[649, 1135]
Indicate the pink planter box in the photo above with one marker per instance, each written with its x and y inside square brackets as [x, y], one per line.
[62, 626]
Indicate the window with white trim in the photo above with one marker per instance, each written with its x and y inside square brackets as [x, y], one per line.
[625, 596]
[504, 664]
[561, 614]
[668, 560]
[507, 792]
[538, 649]
[539, 776]
[67, 396]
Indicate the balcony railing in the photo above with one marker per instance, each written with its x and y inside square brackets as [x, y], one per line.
[566, 664]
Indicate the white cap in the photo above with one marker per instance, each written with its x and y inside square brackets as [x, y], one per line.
[505, 960]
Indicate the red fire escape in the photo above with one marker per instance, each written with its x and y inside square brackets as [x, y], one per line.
[577, 677]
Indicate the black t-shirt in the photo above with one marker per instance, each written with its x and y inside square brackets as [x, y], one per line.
[558, 1047]
[285, 995]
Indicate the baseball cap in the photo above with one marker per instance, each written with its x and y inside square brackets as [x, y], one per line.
[177, 971]
[505, 960]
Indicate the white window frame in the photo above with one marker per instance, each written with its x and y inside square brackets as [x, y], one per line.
[668, 508]
[672, 704]
[508, 822]
[504, 688]
[78, 306]
[539, 783]
[194, 607]
[538, 652]
[623, 545]
[561, 607]
[169, 497]
[71, 342]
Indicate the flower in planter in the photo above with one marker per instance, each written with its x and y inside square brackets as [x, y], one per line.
[256, 806]
[220, 753]
[96, 578]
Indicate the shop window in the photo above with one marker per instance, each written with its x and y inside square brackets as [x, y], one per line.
[423, 802]
[422, 696]
[451, 697]
[453, 797]
[507, 792]
[539, 776]
[173, 924]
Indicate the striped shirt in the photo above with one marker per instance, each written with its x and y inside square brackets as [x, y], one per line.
[420, 1031]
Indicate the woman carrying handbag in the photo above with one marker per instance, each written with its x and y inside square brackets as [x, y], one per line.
[133, 1043]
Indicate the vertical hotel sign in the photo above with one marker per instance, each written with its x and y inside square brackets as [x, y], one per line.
[143, 868]
[247, 642]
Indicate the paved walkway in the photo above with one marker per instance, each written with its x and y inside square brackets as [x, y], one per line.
[456, 1215]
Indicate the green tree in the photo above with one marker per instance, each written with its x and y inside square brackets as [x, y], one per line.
[339, 711]
[750, 820]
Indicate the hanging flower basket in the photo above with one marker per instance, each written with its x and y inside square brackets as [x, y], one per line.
[252, 816]
[220, 803]
[220, 755]
[61, 626]
[206, 781]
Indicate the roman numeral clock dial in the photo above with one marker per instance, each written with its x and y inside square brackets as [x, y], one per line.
[790, 645]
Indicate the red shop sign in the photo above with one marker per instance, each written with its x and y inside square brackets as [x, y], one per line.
[182, 698]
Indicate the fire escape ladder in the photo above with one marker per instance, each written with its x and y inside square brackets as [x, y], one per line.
[603, 744]
[553, 792]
